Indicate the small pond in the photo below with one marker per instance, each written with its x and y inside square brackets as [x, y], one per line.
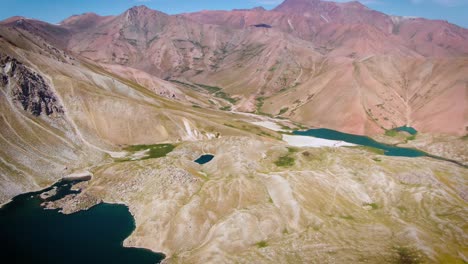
[204, 159]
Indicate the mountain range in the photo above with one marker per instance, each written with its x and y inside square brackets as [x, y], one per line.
[325, 64]
[131, 101]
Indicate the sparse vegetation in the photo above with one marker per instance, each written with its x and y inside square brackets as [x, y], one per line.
[347, 217]
[285, 161]
[186, 84]
[225, 108]
[262, 244]
[371, 149]
[374, 206]
[260, 102]
[406, 255]
[226, 97]
[210, 89]
[292, 150]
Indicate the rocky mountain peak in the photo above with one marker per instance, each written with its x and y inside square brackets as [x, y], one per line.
[140, 8]
[138, 14]
[144, 11]
[27, 88]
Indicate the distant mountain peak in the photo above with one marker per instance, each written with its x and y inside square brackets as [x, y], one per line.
[259, 8]
[143, 10]
[15, 19]
[139, 8]
[302, 5]
[355, 4]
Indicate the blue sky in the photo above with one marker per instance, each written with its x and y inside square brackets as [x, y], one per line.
[53, 11]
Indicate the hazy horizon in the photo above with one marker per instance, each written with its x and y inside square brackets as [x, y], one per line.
[53, 11]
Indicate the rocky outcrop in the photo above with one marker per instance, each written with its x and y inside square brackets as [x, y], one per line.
[27, 88]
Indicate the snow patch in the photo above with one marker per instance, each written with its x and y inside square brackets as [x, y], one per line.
[290, 24]
[192, 134]
[324, 18]
[306, 141]
[268, 124]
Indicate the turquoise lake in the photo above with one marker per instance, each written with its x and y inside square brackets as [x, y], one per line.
[410, 130]
[32, 234]
[389, 150]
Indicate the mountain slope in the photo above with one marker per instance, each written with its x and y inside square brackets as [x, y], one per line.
[61, 114]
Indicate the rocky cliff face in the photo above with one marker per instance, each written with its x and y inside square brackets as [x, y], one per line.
[27, 88]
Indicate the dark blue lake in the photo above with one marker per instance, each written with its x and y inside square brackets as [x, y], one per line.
[31, 234]
[389, 150]
[204, 159]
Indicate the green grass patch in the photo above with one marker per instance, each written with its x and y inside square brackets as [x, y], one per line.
[217, 91]
[262, 244]
[374, 206]
[283, 110]
[376, 159]
[371, 149]
[154, 151]
[391, 133]
[260, 101]
[285, 161]
[225, 108]
[185, 84]
[292, 150]
[412, 137]
[226, 97]
[210, 89]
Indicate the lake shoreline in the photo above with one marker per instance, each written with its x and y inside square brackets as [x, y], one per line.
[49, 224]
